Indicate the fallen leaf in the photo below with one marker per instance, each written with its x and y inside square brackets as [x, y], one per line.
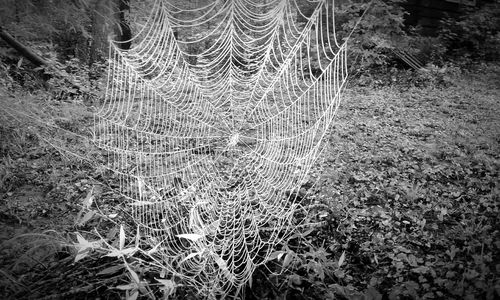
[190, 236]
[111, 270]
[341, 259]
[122, 237]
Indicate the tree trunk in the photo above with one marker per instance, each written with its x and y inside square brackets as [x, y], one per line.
[35, 59]
[30, 55]
[100, 13]
[124, 31]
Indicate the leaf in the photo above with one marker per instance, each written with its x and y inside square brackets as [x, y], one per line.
[168, 287]
[112, 233]
[302, 234]
[134, 295]
[190, 236]
[403, 249]
[275, 254]
[87, 202]
[223, 267]
[288, 259]
[452, 252]
[122, 237]
[86, 218]
[126, 287]
[294, 280]
[323, 215]
[81, 255]
[471, 274]
[81, 239]
[166, 282]
[134, 275]
[421, 270]
[83, 247]
[281, 255]
[111, 270]
[122, 252]
[372, 294]
[211, 228]
[341, 259]
[154, 249]
[191, 256]
[347, 292]
[308, 232]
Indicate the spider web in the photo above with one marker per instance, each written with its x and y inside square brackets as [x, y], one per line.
[211, 134]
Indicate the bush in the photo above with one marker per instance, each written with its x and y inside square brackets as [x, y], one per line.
[474, 36]
[379, 30]
[428, 49]
[75, 80]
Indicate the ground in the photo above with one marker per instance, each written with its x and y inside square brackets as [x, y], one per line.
[408, 194]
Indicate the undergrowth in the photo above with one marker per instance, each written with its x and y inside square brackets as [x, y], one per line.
[406, 207]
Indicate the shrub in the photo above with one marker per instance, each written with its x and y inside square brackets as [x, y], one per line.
[428, 49]
[376, 34]
[76, 80]
[475, 35]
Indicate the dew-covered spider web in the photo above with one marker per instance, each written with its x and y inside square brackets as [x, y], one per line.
[213, 118]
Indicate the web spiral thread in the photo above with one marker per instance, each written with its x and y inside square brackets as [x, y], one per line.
[211, 133]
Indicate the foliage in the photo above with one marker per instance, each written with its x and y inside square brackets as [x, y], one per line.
[406, 206]
[475, 35]
[418, 165]
[72, 28]
[435, 76]
[381, 33]
[411, 212]
[53, 21]
[430, 76]
[78, 80]
[376, 34]
[14, 75]
[66, 80]
[408, 200]
[427, 49]
[66, 34]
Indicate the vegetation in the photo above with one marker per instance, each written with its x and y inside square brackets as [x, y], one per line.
[475, 35]
[406, 200]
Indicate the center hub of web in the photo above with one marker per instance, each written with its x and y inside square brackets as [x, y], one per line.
[233, 140]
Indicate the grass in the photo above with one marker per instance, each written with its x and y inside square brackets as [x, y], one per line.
[409, 180]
